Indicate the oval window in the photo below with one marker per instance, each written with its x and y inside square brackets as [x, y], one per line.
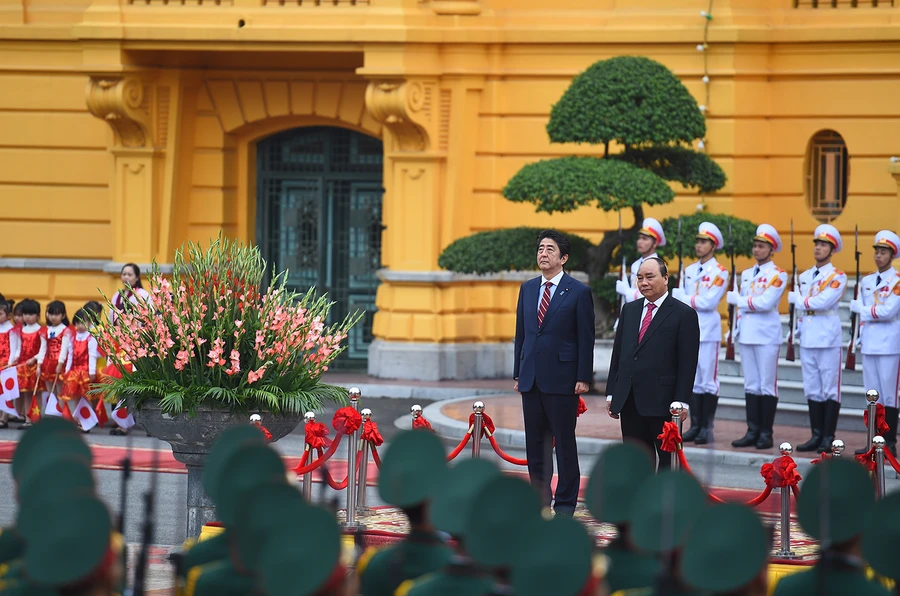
[827, 175]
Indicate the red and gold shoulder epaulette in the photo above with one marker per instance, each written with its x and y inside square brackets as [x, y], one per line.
[721, 267]
[778, 269]
[838, 272]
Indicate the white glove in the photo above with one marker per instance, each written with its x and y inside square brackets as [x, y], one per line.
[793, 297]
[732, 297]
[855, 306]
[622, 287]
[678, 294]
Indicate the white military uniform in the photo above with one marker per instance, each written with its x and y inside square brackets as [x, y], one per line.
[703, 287]
[759, 327]
[654, 229]
[879, 330]
[819, 327]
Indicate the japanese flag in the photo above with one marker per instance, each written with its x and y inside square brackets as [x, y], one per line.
[121, 417]
[9, 382]
[53, 407]
[86, 415]
[8, 405]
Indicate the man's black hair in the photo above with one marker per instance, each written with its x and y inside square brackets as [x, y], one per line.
[562, 241]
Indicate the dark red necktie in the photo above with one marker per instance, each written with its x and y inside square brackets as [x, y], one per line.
[646, 322]
[545, 302]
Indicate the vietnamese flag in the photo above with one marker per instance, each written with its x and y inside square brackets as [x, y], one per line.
[100, 410]
[34, 410]
[86, 415]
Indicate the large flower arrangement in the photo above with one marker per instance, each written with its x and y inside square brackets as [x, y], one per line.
[210, 334]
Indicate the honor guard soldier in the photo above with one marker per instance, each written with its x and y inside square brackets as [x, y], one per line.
[412, 469]
[878, 307]
[832, 508]
[650, 237]
[759, 335]
[453, 503]
[613, 486]
[702, 287]
[727, 552]
[819, 327]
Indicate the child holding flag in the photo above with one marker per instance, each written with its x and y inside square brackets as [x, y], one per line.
[34, 348]
[81, 370]
[10, 345]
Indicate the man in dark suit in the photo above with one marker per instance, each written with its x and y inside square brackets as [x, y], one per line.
[654, 359]
[554, 358]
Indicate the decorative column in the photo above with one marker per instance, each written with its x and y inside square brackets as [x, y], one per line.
[129, 105]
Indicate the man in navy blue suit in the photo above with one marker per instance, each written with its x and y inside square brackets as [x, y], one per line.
[554, 357]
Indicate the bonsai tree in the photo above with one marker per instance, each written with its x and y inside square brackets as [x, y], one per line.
[639, 109]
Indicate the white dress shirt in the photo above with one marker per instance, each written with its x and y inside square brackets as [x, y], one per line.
[658, 302]
[555, 281]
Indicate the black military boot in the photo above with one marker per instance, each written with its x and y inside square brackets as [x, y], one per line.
[710, 403]
[890, 437]
[753, 413]
[767, 422]
[816, 422]
[832, 409]
[696, 410]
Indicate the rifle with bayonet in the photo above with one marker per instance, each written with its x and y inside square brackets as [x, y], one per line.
[854, 318]
[140, 572]
[680, 257]
[792, 309]
[729, 345]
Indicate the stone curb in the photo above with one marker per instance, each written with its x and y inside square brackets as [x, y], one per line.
[452, 429]
[411, 392]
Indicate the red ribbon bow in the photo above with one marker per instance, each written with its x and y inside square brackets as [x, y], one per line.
[582, 407]
[867, 459]
[670, 437]
[487, 424]
[420, 422]
[370, 433]
[881, 425]
[781, 473]
[346, 420]
[315, 435]
[265, 432]
[825, 455]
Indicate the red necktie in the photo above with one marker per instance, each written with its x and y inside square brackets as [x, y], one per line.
[545, 302]
[646, 322]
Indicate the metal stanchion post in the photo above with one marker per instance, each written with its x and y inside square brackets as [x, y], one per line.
[837, 448]
[352, 442]
[478, 408]
[872, 398]
[785, 551]
[361, 507]
[677, 409]
[415, 411]
[878, 444]
[307, 478]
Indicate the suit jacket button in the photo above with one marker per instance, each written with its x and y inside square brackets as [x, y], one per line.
[635, 357]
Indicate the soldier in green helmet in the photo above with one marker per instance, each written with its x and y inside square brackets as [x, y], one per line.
[412, 469]
[727, 552]
[881, 537]
[665, 509]
[617, 475]
[495, 527]
[556, 559]
[453, 503]
[834, 500]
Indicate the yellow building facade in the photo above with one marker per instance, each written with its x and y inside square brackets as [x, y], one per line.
[355, 139]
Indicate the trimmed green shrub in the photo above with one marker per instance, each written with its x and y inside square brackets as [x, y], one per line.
[513, 249]
[742, 232]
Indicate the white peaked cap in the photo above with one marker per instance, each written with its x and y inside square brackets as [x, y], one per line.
[710, 231]
[654, 229]
[828, 233]
[768, 233]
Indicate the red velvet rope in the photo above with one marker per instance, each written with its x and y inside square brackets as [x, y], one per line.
[460, 447]
[582, 407]
[893, 460]
[509, 458]
[346, 420]
[420, 422]
[670, 437]
[303, 458]
[758, 499]
[781, 473]
[316, 435]
[370, 433]
[487, 425]
[881, 425]
[867, 459]
[825, 455]
[301, 470]
[265, 432]
[343, 483]
[376, 457]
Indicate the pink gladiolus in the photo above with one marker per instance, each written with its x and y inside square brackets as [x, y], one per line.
[255, 375]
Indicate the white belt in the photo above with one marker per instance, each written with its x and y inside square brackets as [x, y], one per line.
[818, 313]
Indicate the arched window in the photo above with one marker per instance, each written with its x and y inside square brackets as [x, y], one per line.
[827, 175]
